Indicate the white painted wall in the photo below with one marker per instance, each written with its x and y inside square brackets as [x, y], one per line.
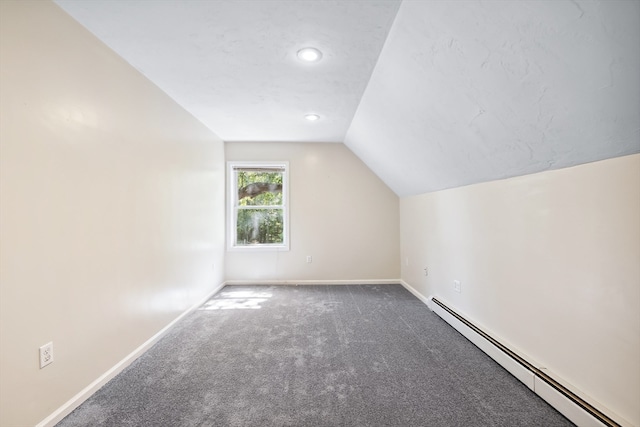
[111, 209]
[341, 214]
[549, 263]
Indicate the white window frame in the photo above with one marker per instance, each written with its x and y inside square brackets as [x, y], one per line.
[232, 205]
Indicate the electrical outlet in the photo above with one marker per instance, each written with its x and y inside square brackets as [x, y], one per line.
[457, 286]
[46, 354]
[426, 271]
[309, 259]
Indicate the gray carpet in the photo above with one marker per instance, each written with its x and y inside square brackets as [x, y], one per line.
[356, 355]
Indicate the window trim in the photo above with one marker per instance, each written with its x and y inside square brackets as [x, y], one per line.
[232, 191]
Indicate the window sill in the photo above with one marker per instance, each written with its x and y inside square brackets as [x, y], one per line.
[258, 248]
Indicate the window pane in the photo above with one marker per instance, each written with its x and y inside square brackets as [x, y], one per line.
[259, 188]
[259, 226]
[258, 212]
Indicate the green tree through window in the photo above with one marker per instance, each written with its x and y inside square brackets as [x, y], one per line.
[259, 205]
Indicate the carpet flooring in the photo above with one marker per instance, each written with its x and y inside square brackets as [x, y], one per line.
[353, 355]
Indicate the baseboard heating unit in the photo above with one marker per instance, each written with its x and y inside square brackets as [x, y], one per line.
[564, 400]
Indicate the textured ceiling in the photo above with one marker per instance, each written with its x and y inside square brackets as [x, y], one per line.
[233, 64]
[462, 91]
[473, 91]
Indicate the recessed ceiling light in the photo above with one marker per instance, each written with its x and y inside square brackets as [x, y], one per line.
[310, 54]
[312, 117]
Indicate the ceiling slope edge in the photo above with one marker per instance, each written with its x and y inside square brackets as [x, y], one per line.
[479, 91]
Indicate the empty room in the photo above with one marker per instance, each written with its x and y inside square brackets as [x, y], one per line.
[319, 213]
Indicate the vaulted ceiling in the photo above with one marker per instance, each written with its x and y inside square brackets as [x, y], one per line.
[233, 64]
[429, 94]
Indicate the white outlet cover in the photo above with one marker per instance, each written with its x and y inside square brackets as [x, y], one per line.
[456, 286]
[46, 354]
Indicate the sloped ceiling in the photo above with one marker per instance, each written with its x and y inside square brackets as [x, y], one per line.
[233, 63]
[473, 91]
[462, 92]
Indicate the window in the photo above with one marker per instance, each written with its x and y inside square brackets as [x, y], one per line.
[258, 212]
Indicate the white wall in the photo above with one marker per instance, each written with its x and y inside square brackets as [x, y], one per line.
[341, 214]
[111, 209]
[549, 263]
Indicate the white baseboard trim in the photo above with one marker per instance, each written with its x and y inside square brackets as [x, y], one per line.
[426, 300]
[565, 406]
[83, 395]
[513, 367]
[313, 282]
[532, 378]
